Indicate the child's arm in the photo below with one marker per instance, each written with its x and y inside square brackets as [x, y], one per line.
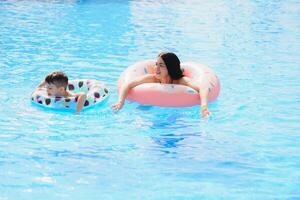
[80, 102]
[127, 86]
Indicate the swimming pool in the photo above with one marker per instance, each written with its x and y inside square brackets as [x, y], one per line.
[248, 149]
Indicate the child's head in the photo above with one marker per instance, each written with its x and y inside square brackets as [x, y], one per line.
[56, 83]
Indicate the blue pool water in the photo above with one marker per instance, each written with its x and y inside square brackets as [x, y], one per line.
[248, 149]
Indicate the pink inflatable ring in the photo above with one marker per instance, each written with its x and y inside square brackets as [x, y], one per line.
[170, 95]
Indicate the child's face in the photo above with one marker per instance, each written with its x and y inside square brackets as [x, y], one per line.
[52, 90]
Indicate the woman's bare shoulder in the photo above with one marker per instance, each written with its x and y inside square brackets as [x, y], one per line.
[148, 78]
[189, 82]
[185, 80]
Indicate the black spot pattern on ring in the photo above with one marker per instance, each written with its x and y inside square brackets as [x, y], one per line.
[86, 103]
[47, 101]
[67, 100]
[80, 84]
[105, 90]
[57, 98]
[71, 87]
[96, 94]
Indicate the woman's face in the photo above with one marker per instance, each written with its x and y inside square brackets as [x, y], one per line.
[161, 68]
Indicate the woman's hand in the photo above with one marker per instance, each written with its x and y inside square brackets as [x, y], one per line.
[118, 106]
[204, 111]
[127, 86]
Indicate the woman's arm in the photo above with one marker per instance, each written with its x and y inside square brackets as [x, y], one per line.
[127, 86]
[204, 101]
[202, 86]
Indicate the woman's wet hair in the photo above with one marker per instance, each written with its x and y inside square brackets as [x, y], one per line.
[173, 65]
[59, 79]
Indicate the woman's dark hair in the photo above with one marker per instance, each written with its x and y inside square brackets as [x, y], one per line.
[173, 65]
[59, 79]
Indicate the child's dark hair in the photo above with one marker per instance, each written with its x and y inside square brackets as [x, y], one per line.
[173, 65]
[59, 79]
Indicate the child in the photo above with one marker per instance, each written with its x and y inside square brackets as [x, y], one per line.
[56, 84]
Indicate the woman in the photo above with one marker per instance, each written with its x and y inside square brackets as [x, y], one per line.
[168, 71]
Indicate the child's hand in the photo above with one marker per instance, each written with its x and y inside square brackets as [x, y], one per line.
[80, 102]
[118, 106]
[205, 112]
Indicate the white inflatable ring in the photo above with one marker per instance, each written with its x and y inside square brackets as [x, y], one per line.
[95, 90]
